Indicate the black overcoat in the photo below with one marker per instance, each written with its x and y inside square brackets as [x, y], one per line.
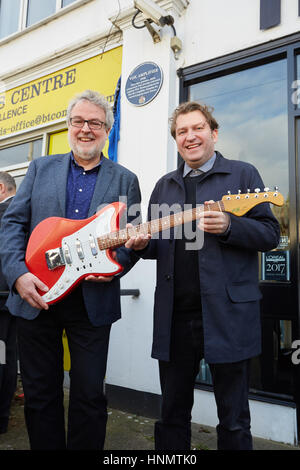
[228, 267]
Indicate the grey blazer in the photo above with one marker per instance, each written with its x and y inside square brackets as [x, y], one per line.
[42, 194]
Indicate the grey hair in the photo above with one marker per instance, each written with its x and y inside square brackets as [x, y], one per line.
[97, 99]
[8, 181]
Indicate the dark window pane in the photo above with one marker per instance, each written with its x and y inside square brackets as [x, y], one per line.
[67, 2]
[269, 13]
[273, 371]
[20, 153]
[9, 17]
[296, 85]
[251, 108]
[37, 10]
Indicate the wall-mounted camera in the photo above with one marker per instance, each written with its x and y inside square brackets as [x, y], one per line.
[154, 12]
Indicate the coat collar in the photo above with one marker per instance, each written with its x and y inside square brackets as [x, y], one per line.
[221, 165]
[104, 181]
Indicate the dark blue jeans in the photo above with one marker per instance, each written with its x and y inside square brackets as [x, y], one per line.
[41, 363]
[177, 378]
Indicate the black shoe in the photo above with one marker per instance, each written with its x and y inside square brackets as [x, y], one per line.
[3, 425]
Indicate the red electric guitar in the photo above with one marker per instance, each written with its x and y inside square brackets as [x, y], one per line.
[62, 252]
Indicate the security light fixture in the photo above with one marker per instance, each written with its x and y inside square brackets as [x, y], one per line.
[153, 13]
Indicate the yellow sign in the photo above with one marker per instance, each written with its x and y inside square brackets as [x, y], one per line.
[45, 100]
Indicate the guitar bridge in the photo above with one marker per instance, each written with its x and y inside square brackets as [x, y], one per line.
[55, 258]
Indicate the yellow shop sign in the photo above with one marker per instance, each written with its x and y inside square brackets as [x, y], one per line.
[45, 100]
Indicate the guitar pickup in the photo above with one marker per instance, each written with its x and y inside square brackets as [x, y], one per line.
[93, 245]
[55, 258]
[79, 249]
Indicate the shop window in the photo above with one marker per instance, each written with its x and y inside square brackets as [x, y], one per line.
[296, 85]
[272, 371]
[251, 108]
[20, 153]
[9, 17]
[38, 10]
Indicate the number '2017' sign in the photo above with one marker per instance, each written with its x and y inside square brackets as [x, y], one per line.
[276, 266]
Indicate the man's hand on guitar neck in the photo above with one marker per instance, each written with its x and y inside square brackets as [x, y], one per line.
[137, 242]
[27, 285]
[213, 221]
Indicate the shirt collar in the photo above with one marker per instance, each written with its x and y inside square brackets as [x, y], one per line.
[95, 167]
[6, 199]
[205, 167]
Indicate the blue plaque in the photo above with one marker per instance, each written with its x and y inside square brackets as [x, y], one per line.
[144, 83]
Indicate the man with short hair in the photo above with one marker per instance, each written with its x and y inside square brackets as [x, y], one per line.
[207, 297]
[8, 359]
[71, 186]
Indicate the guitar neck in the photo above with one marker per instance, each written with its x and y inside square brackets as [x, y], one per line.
[119, 238]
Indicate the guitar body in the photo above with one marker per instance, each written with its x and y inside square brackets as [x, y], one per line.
[62, 252]
[78, 241]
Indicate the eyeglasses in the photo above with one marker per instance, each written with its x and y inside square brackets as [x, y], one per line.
[93, 124]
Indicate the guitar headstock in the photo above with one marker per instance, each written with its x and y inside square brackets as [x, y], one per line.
[240, 204]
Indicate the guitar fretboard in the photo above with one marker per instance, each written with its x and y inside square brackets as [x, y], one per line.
[119, 238]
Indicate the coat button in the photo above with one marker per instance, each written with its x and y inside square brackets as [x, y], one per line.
[168, 277]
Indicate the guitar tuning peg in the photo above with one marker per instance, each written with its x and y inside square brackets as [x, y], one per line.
[248, 190]
[257, 190]
[228, 192]
[266, 189]
[239, 191]
[275, 188]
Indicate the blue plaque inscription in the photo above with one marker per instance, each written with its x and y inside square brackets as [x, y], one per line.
[144, 83]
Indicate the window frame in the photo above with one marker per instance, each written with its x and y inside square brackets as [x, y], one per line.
[20, 169]
[59, 10]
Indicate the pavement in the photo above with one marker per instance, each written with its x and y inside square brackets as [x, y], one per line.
[125, 432]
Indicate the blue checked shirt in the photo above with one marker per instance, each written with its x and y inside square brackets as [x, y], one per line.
[80, 189]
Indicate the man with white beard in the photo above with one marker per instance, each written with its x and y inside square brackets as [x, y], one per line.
[71, 186]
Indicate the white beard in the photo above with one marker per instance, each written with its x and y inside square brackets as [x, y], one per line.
[86, 155]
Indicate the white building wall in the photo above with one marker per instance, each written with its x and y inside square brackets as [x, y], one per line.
[207, 29]
[147, 148]
[227, 26]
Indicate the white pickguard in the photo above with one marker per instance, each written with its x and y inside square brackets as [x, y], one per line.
[85, 256]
